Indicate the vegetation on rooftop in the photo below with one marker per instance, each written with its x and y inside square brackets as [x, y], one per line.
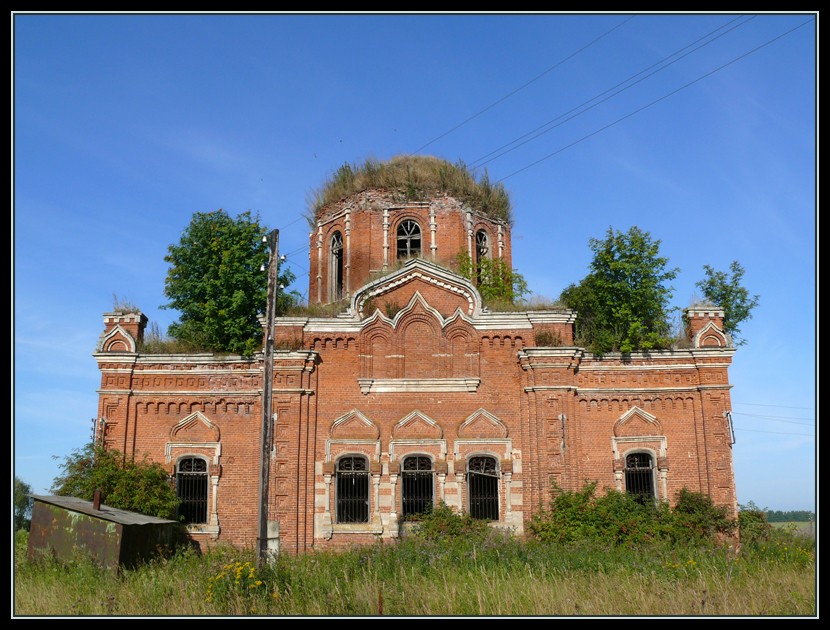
[217, 283]
[123, 305]
[414, 178]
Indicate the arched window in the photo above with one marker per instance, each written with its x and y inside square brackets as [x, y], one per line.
[192, 489]
[482, 254]
[482, 246]
[352, 490]
[483, 488]
[336, 268]
[639, 475]
[418, 487]
[409, 239]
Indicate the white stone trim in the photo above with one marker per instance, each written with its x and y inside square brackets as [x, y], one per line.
[492, 419]
[659, 475]
[724, 340]
[411, 416]
[418, 268]
[397, 444]
[388, 286]
[660, 439]
[354, 413]
[352, 442]
[424, 385]
[212, 526]
[171, 446]
[507, 443]
[115, 331]
[640, 390]
[227, 393]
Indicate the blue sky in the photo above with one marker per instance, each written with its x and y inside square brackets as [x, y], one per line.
[698, 128]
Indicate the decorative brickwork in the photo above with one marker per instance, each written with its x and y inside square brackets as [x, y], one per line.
[417, 367]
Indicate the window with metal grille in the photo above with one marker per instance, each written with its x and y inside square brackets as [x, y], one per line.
[352, 490]
[192, 489]
[483, 488]
[418, 487]
[336, 268]
[409, 239]
[639, 475]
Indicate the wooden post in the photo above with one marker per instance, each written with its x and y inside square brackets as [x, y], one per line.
[273, 240]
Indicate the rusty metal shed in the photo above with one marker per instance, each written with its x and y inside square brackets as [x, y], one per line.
[64, 527]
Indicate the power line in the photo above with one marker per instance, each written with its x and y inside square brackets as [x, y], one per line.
[536, 78]
[299, 218]
[539, 76]
[654, 102]
[775, 418]
[297, 251]
[503, 98]
[767, 405]
[287, 261]
[481, 161]
[775, 432]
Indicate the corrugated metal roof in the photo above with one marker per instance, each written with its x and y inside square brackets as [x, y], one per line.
[107, 513]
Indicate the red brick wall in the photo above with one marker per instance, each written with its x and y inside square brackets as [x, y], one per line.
[362, 224]
[524, 393]
[418, 380]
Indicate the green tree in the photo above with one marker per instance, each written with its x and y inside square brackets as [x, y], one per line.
[496, 281]
[138, 486]
[22, 504]
[727, 292]
[216, 283]
[623, 302]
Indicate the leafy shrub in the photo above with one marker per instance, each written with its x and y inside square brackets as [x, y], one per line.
[615, 518]
[753, 526]
[442, 522]
[497, 283]
[697, 518]
[620, 519]
[139, 486]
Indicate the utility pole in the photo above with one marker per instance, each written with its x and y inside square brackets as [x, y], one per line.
[273, 240]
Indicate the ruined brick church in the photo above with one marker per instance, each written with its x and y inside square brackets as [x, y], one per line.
[416, 394]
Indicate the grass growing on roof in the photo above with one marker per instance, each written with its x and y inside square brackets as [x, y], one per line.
[414, 178]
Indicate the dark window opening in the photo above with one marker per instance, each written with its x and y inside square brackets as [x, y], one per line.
[417, 485]
[639, 476]
[482, 245]
[336, 269]
[352, 490]
[192, 489]
[409, 239]
[483, 488]
[482, 254]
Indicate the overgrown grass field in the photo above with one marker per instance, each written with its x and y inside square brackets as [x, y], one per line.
[666, 564]
[498, 577]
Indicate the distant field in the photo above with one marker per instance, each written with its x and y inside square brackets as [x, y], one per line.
[807, 529]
